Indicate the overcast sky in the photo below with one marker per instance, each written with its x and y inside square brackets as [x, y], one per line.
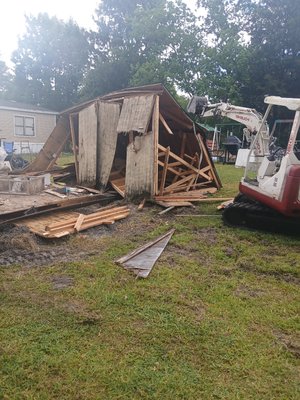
[12, 21]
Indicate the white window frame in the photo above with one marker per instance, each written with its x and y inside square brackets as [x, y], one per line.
[24, 116]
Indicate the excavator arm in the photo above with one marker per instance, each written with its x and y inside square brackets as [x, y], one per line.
[246, 116]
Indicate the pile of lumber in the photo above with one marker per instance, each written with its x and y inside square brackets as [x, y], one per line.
[184, 199]
[179, 183]
[83, 222]
[180, 174]
[62, 224]
[180, 179]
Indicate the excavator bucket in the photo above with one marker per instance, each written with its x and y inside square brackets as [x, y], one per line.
[197, 105]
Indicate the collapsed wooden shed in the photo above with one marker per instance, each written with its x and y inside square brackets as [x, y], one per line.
[138, 139]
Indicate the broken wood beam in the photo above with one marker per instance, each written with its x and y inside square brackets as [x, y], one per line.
[78, 223]
[185, 163]
[164, 122]
[178, 183]
[165, 170]
[53, 193]
[141, 205]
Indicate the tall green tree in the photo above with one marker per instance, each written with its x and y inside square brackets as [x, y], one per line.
[223, 71]
[5, 80]
[274, 31]
[141, 42]
[50, 62]
[252, 49]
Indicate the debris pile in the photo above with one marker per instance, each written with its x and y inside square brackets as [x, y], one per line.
[136, 143]
[138, 140]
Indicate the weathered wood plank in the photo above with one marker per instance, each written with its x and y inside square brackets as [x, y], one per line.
[136, 113]
[52, 148]
[155, 129]
[139, 166]
[87, 143]
[165, 170]
[74, 144]
[107, 139]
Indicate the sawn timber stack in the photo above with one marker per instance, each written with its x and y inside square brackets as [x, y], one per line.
[58, 225]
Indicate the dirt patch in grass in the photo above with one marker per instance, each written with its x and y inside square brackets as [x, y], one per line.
[198, 311]
[246, 292]
[207, 235]
[14, 237]
[61, 282]
[18, 246]
[290, 342]
[248, 266]
[45, 255]
[80, 310]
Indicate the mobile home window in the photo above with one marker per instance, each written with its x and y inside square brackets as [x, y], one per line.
[24, 126]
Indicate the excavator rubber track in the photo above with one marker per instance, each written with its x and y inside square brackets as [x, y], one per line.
[247, 213]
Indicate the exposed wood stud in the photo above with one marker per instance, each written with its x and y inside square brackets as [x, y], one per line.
[155, 130]
[74, 144]
[165, 170]
[163, 121]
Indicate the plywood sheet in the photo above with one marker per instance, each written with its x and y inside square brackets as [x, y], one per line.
[87, 144]
[139, 166]
[107, 139]
[136, 113]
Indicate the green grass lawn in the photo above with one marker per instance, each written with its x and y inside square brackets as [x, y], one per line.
[218, 317]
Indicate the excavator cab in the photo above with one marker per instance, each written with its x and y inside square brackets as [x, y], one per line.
[270, 189]
[273, 196]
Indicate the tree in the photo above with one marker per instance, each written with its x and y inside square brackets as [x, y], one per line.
[5, 79]
[252, 49]
[50, 62]
[274, 31]
[143, 41]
